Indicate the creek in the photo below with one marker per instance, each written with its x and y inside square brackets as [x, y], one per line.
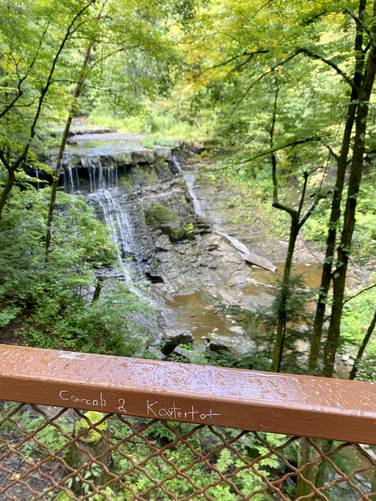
[180, 233]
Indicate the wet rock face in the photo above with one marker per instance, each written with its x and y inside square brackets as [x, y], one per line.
[172, 246]
[148, 199]
[160, 217]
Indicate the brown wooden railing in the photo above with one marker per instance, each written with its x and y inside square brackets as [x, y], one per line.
[95, 427]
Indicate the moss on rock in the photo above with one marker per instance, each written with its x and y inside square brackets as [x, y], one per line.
[166, 220]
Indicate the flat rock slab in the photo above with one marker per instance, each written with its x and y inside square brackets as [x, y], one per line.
[248, 256]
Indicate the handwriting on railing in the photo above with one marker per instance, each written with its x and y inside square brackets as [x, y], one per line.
[152, 408]
[248, 400]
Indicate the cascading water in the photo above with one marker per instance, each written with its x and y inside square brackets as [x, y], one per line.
[190, 181]
[100, 184]
[108, 199]
[37, 177]
[238, 245]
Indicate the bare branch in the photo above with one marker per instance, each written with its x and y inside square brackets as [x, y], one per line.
[261, 8]
[22, 79]
[267, 73]
[113, 53]
[247, 55]
[363, 346]
[328, 62]
[360, 22]
[359, 293]
[282, 147]
[300, 50]
[331, 151]
[309, 212]
[44, 91]
[304, 190]
[4, 160]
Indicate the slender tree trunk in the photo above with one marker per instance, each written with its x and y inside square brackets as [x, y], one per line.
[283, 297]
[337, 196]
[297, 222]
[98, 290]
[363, 347]
[44, 91]
[11, 179]
[63, 143]
[356, 171]
[306, 455]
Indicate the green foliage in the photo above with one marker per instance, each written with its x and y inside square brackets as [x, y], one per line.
[54, 296]
[160, 123]
[92, 435]
[356, 318]
[7, 314]
[364, 239]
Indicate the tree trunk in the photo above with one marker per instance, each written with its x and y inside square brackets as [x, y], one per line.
[63, 143]
[11, 179]
[356, 171]
[337, 196]
[363, 346]
[98, 290]
[307, 454]
[283, 296]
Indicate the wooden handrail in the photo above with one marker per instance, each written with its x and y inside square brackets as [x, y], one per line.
[259, 401]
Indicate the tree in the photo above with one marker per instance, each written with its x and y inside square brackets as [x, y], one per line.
[116, 30]
[342, 162]
[68, 123]
[356, 171]
[239, 57]
[298, 217]
[14, 154]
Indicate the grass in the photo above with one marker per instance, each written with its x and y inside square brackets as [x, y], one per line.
[157, 122]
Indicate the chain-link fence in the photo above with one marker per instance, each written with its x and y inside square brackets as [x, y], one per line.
[65, 454]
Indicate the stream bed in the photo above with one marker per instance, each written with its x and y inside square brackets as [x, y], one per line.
[197, 261]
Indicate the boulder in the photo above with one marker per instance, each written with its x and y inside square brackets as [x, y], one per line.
[239, 345]
[123, 159]
[172, 339]
[217, 347]
[185, 355]
[165, 219]
[236, 329]
[162, 153]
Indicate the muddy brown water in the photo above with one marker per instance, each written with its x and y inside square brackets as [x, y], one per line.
[196, 313]
[310, 274]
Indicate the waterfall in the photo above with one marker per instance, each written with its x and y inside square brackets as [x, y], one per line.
[238, 245]
[70, 179]
[110, 203]
[190, 181]
[113, 210]
[102, 177]
[37, 176]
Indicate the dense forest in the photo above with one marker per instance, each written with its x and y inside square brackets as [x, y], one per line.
[191, 180]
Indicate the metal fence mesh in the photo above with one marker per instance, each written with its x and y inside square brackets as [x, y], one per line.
[64, 454]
